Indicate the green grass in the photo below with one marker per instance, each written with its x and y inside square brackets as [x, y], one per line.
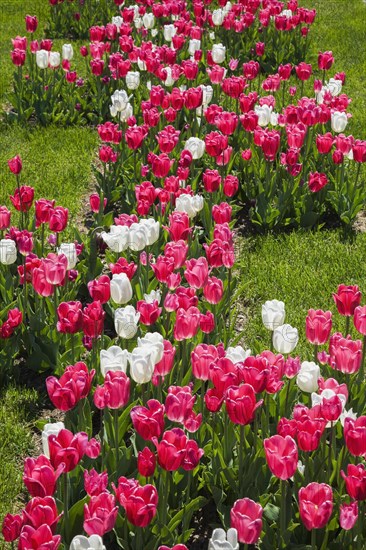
[302, 269]
[340, 27]
[16, 443]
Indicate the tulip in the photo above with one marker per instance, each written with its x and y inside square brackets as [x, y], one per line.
[115, 392]
[355, 481]
[148, 421]
[94, 542]
[273, 314]
[308, 376]
[12, 526]
[281, 455]
[113, 359]
[69, 316]
[95, 483]
[40, 538]
[218, 53]
[355, 435]
[348, 514]
[246, 518]
[8, 252]
[318, 326]
[142, 364]
[316, 505]
[41, 510]
[146, 462]
[285, 338]
[121, 289]
[67, 448]
[171, 449]
[71, 387]
[42, 59]
[339, 121]
[125, 322]
[241, 404]
[67, 52]
[100, 514]
[347, 299]
[140, 502]
[50, 429]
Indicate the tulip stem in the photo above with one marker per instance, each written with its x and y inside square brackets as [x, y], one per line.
[316, 353]
[116, 437]
[313, 539]
[241, 457]
[283, 487]
[66, 505]
[348, 319]
[359, 525]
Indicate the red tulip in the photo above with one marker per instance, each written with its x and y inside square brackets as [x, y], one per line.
[318, 326]
[93, 319]
[140, 502]
[202, 357]
[71, 387]
[149, 312]
[359, 319]
[100, 289]
[347, 299]
[31, 23]
[281, 456]
[100, 514]
[171, 449]
[38, 539]
[355, 481]
[12, 526]
[115, 392]
[95, 483]
[246, 518]
[316, 505]
[40, 477]
[148, 421]
[67, 448]
[187, 323]
[146, 462]
[58, 219]
[41, 510]
[23, 198]
[241, 404]
[325, 60]
[69, 316]
[355, 435]
[179, 403]
[15, 165]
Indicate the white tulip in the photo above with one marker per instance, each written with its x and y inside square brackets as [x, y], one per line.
[227, 8]
[142, 364]
[148, 20]
[218, 17]
[54, 59]
[220, 540]
[117, 239]
[141, 64]
[264, 114]
[152, 296]
[273, 314]
[188, 204]
[138, 237]
[194, 45]
[53, 428]
[169, 81]
[218, 53]
[95, 542]
[138, 22]
[67, 52]
[118, 21]
[347, 414]
[285, 338]
[153, 230]
[8, 251]
[308, 376]
[207, 94]
[126, 322]
[154, 32]
[133, 80]
[286, 13]
[237, 354]
[339, 121]
[42, 59]
[121, 289]
[169, 32]
[69, 250]
[114, 359]
[195, 146]
[155, 342]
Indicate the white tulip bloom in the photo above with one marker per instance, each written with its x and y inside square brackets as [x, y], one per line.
[113, 359]
[308, 376]
[285, 338]
[220, 540]
[339, 121]
[8, 251]
[264, 114]
[42, 59]
[273, 314]
[95, 542]
[133, 80]
[69, 250]
[218, 53]
[237, 354]
[121, 289]
[67, 52]
[142, 364]
[195, 146]
[126, 322]
[54, 59]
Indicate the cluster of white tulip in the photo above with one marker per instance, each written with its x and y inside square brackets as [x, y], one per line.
[142, 360]
[136, 237]
[284, 337]
[189, 204]
[333, 86]
[121, 105]
[266, 115]
[45, 59]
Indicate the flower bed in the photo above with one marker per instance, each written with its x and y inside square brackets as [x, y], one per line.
[164, 414]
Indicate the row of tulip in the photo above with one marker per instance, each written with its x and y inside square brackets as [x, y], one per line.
[287, 155]
[164, 414]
